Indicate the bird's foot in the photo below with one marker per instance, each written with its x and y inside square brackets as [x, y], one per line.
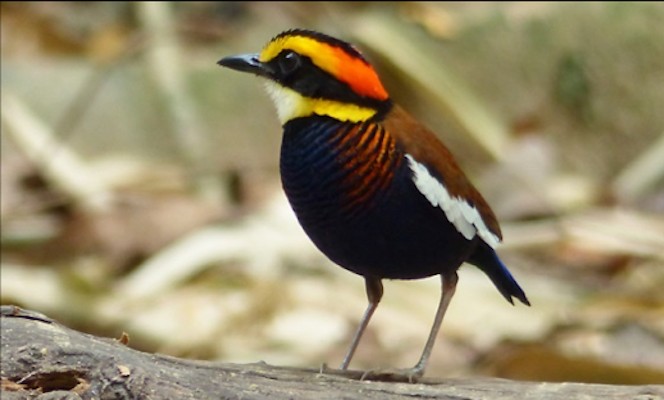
[410, 375]
[324, 369]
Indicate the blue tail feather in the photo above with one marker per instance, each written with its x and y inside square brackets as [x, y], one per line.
[486, 259]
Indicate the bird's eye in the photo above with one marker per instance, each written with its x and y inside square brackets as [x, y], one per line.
[289, 62]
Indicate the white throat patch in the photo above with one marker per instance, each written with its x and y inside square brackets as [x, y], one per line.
[465, 218]
[291, 104]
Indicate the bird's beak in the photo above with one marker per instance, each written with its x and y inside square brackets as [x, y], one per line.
[246, 63]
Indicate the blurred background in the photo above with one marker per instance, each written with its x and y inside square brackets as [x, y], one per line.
[140, 189]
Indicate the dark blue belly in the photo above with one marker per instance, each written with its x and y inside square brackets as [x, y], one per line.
[395, 233]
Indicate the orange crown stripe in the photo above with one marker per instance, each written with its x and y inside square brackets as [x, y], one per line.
[359, 75]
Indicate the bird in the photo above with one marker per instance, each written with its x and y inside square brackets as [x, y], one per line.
[375, 190]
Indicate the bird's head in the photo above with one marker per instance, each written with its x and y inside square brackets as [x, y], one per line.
[310, 73]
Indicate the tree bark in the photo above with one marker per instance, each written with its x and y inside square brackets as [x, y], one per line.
[44, 360]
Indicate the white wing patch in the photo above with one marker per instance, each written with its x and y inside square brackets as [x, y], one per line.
[465, 218]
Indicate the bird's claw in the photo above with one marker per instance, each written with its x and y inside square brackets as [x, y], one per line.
[410, 375]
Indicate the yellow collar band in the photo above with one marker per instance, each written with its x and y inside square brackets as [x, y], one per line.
[291, 104]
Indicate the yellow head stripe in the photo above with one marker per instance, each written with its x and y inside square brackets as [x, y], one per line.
[305, 46]
[356, 72]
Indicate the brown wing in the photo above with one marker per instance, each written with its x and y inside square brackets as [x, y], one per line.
[426, 148]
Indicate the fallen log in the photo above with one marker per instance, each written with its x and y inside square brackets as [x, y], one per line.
[42, 359]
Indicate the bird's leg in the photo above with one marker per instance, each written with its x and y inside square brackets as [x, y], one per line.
[374, 289]
[449, 282]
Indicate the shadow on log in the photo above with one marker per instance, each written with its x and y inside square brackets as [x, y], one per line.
[42, 359]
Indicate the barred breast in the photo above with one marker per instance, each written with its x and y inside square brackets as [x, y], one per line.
[353, 192]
